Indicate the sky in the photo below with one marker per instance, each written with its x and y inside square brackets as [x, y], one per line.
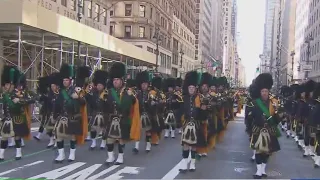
[250, 30]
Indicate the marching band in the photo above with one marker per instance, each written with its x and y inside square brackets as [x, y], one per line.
[77, 102]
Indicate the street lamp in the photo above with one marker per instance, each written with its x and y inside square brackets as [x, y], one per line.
[80, 15]
[158, 38]
[308, 41]
[292, 64]
[181, 55]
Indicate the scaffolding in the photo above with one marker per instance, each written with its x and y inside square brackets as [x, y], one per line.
[38, 53]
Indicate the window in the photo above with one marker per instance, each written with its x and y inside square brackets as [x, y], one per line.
[142, 11]
[151, 33]
[111, 30]
[96, 14]
[128, 9]
[64, 3]
[141, 32]
[151, 11]
[72, 4]
[127, 31]
[111, 13]
[104, 14]
[90, 9]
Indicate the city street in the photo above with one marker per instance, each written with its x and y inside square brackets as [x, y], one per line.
[230, 160]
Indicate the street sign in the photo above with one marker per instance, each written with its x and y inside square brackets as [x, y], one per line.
[307, 67]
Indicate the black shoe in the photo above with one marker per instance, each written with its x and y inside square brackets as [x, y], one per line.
[183, 170]
[18, 158]
[36, 138]
[192, 170]
[257, 177]
[264, 175]
[135, 150]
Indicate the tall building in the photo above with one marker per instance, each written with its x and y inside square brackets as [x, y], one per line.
[308, 43]
[287, 41]
[230, 39]
[275, 43]
[38, 36]
[183, 38]
[146, 24]
[217, 42]
[203, 33]
[268, 31]
[301, 26]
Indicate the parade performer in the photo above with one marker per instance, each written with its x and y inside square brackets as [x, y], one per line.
[308, 140]
[207, 100]
[222, 83]
[148, 100]
[295, 102]
[253, 95]
[17, 114]
[73, 120]
[123, 124]
[285, 106]
[265, 120]
[173, 101]
[289, 108]
[49, 102]
[97, 100]
[156, 90]
[315, 114]
[193, 117]
[178, 113]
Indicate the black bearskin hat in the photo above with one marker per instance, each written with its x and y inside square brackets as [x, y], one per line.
[316, 91]
[294, 87]
[191, 79]
[214, 81]
[142, 77]
[254, 93]
[157, 82]
[178, 82]
[309, 86]
[82, 75]
[131, 83]
[9, 75]
[264, 81]
[170, 82]
[67, 71]
[100, 77]
[117, 70]
[55, 78]
[206, 78]
[43, 84]
[286, 91]
[222, 81]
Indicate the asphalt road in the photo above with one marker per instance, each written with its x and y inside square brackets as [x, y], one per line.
[230, 160]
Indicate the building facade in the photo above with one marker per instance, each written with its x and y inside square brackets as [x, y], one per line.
[217, 42]
[230, 55]
[146, 24]
[311, 38]
[183, 51]
[301, 26]
[287, 41]
[265, 57]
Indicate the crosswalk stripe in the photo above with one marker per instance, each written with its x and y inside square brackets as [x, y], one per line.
[21, 167]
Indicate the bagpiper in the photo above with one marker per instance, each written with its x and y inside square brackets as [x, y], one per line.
[173, 101]
[148, 101]
[49, 91]
[285, 106]
[265, 122]
[97, 100]
[315, 122]
[17, 114]
[72, 122]
[123, 124]
[193, 116]
[206, 99]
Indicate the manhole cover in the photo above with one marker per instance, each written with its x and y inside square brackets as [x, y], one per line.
[273, 173]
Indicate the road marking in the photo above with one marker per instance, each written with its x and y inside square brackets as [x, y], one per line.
[21, 167]
[27, 155]
[97, 176]
[84, 174]
[55, 174]
[174, 172]
[125, 170]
